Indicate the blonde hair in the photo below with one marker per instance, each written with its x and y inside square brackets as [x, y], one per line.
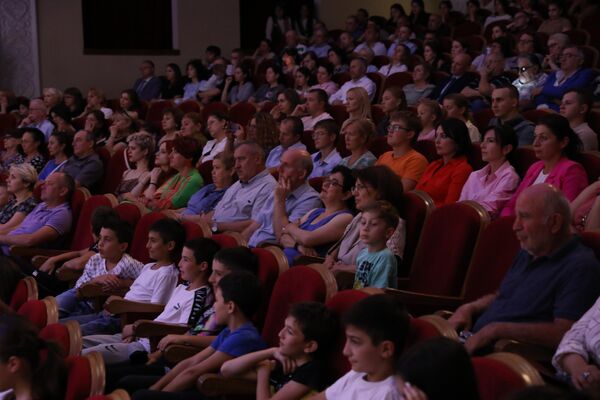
[27, 173]
[365, 127]
[54, 92]
[364, 102]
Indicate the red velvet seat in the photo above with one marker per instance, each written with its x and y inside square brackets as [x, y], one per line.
[474, 43]
[116, 165]
[7, 122]
[377, 114]
[534, 115]
[427, 148]
[316, 183]
[85, 377]
[379, 145]
[594, 120]
[205, 170]
[26, 290]
[591, 163]
[482, 118]
[339, 114]
[591, 56]
[114, 104]
[467, 28]
[414, 210]
[226, 240]
[82, 235]
[268, 106]
[592, 240]
[378, 79]
[40, 312]
[130, 213]
[437, 77]
[67, 335]
[380, 61]
[210, 108]
[189, 106]
[341, 78]
[140, 236]
[155, 110]
[523, 158]
[242, 113]
[474, 157]
[194, 230]
[398, 79]
[271, 263]
[308, 141]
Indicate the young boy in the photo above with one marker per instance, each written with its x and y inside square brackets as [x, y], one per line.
[237, 297]
[327, 157]
[376, 329]
[156, 282]
[111, 268]
[377, 266]
[187, 303]
[296, 367]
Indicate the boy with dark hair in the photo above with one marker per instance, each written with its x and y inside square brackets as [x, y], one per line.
[237, 297]
[295, 368]
[185, 306]
[376, 264]
[112, 268]
[325, 136]
[376, 330]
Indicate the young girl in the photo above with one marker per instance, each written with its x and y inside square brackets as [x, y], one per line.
[430, 114]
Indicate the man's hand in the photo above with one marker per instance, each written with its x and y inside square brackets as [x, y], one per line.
[48, 266]
[289, 365]
[168, 340]
[462, 319]
[485, 337]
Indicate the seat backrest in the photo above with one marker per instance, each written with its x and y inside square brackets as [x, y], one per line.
[414, 210]
[155, 110]
[592, 240]
[82, 235]
[117, 164]
[591, 163]
[500, 374]
[268, 271]
[467, 28]
[378, 79]
[482, 118]
[242, 113]
[40, 312]
[316, 183]
[474, 157]
[445, 248]
[189, 106]
[523, 158]
[194, 230]
[86, 376]
[213, 107]
[301, 283]
[379, 145]
[131, 213]
[341, 78]
[427, 148]
[138, 248]
[7, 123]
[205, 170]
[225, 240]
[339, 114]
[26, 290]
[67, 335]
[380, 61]
[377, 113]
[399, 79]
[493, 256]
[308, 141]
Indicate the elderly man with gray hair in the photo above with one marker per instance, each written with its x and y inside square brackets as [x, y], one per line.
[84, 166]
[37, 118]
[553, 280]
[292, 198]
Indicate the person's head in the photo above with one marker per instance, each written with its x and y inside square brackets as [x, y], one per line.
[147, 69]
[374, 183]
[556, 43]
[431, 51]
[99, 217]
[115, 238]
[571, 58]
[576, 105]
[237, 296]
[378, 222]
[501, 45]
[505, 102]
[264, 47]
[526, 43]
[542, 219]
[140, 146]
[185, 154]
[337, 187]
[421, 72]
[435, 22]
[346, 41]
[291, 39]
[263, 129]
[376, 330]
[358, 103]
[173, 72]
[316, 102]
[494, 62]
[498, 31]
[439, 367]
[357, 134]
[12, 139]
[95, 122]
[171, 119]
[129, 100]
[161, 158]
[351, 23]
[191, 124]
[501, 7]
[165, 240]
[83, 143]
[52, 97]
[529, 67]
[403, 129]
[499, 143]
[249, 159]
[358, 68]
[371, 35]
[211, 53]
[458, 47]
[301, 78]
[555, 9]
[124, 123]
[32, 140]
[290, 131]
[287, 101]
[295, 167]
[417, 7]
[73, 98]
[324, 72]
[61, 116]
[554, 137]
[28, 361]
[325, 134]
[21, 177]
[308, 331]
[460, 64]
[196, 260]
[429, 112]
[289, 56]
[473, 6]
[445, 7]
[222, 170]
[309, 61]
[242, 74]
[367, 54]
[452, 138]
[218, 124]
[37, 110]
[393, 99]
[319, 36]
[396, 11]
[232, 259]
[273, 74]
[456, 106]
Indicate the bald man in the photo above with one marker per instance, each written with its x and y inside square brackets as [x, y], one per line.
[456, 82]
[551, 284]
[292, 198]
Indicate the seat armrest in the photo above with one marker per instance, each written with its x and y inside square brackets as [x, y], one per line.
[307, 260]
[420, 303]
[118, 305]
[213, 385]
[530, 351]
[147, 328]
[89, 290]
[175, 353]
[68, 274]
[30, 252]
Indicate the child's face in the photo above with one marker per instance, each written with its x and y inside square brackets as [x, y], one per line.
[360, 351]
[108, 244]
[291, 340]
[222, 309]
[157, 248]
[373, 229]
[187, 265]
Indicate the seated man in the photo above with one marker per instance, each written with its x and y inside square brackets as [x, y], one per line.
[358, 78]
[290, 133]
[148, 85]
[492, 76]
[246, 198]
[319, 43]
[505, 106]
[575, 106]
[50, 221]
[292, 198]
[84, 166]
[313, 110]
[37, 118]
[456, 82]
[403, 36]
[327, 157]
[551, 284]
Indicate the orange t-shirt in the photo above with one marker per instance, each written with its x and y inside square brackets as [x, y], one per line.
[411, 165]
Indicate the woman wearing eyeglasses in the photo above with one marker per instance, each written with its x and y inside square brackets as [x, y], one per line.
[531, 76]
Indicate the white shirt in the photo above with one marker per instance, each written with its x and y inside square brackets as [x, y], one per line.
[310, 122]
[587, 136]
[126, 268]
[363, 82]
[390, 69]
[353, 386]
[154, 285]
[378, 48]
[212, 148]
[541, 178]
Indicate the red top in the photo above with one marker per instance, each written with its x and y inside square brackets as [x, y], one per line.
[444, 182]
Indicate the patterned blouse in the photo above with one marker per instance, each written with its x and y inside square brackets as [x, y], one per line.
[38, 162]
[12, 207]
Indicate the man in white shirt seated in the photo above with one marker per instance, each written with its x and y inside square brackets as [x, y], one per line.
[575, 106]
[313, 110]
[372, 42]
[358, 69]
[290, 133]
[320, 45]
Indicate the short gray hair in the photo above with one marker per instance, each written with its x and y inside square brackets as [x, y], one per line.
[255, 148]
[27, 173]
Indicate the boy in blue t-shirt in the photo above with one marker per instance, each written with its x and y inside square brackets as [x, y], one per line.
[376, 264]
[237, 297]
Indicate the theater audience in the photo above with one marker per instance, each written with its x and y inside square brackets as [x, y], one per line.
[371, 41]
[491, 76]
[241, 89]
[73, 100]
[444, 179]
[314, 110]
[290, 133]
[96, 101]
[324, 73]
[51, 97]
[218, 125]
[19, 186]
[319, 45]
[536, 305]
[392, 100]
[555, 23]
[397, 62]
[358, 69]
[555, 45]
[337, 57]
[11, 154]
[575, 106]
[325, 136]
[505, 106]
[557, 147]
[32, 144]
[129, 103]
[494, 185]
[407, 163]
[147, 86]
[500, 13]
[358, 106]
[430, 114]
[457, 81]
[457, 106]
[140, 153]
[268, 91]
[432, 55]
[84, 166]
[191, 126]
[195, 72]
[96, 123]
[357, 134]
[61, 118]
[302, 76]
[309, 61]
[36, 118]
[159, 176]
[420, 88]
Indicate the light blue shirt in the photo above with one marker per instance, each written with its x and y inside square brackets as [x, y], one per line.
[190, 89]
[245, 200]
[274, 158]
[323, 167]
[364, 161]
[378, 269]
[297, 204]
[320, 50]
[45, 126]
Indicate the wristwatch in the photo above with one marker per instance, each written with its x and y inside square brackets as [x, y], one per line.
[214, 227]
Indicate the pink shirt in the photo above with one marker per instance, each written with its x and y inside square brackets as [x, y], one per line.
[491, 190]
[329, 87]
[427, 136]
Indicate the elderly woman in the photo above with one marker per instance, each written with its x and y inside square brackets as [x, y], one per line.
[52, 97]
[20, 183]
[121, 128]
[170, 123]
[32, 143]
[357, 134]
[60, 148]
[140, 153]
[218, 126]
[96, 101]
[191, 126]
[61, 117]
[11, 155]
[556, 146]
[444, 179]
[531, 77]
[320, 227]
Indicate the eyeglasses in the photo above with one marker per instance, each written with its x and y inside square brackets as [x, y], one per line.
[330, 182]
[523, 69]
[358, 187]
[396, 128]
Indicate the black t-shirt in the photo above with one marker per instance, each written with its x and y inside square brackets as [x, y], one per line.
[311, 374]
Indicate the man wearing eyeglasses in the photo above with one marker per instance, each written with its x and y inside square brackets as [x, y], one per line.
[148, 86]
[556, 44]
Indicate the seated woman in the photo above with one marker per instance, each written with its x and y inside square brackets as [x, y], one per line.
[578, 354]
[60, 148]
[191, 126]
[177, 191]
[337, 57]
[302, 78]
[121, 128]
[73, 100]
[357, 134]
[585, 209]
[170, 123]
[195, 72]
[11, 155]
[556, 146]
[358, 105]
[443, 179]
[130, 103]
[263, 130]
[20, 183]
[372, 184]
[457, 106]
[493, 185]
[31, 367]
[61, 117]
[289, 58]
[430, 113]
[140, 153]
[96, 101]
[531, 76]
[218, 126]
[32, 144]
[97, 124]
[159, 176]
[398, 61]
[173, 82]
[324, 82]
[316, 230]
[432, 54]
[268, 91]
[286, 104]
[420, 88]
[239, 87]
[392, 100]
